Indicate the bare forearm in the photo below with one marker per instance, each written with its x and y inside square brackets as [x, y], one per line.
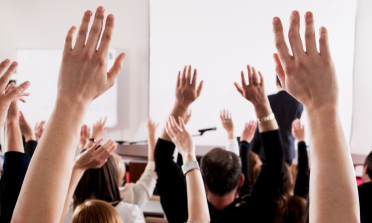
[52, 165]
[75, 178]
[196, 197]
[14, 137]
[332, 166]
[151, 142]
[178, 111]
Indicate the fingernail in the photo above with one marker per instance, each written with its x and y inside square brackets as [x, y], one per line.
[14, 63]
[6, 61]
[88, 13]
[122, 58]
[294, 12]
[100, 9]
[275, 20]
[308, 14]
[27, 83]
[111, 17]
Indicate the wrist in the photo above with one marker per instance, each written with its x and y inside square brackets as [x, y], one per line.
[180, 107]
[188, 157]
[78, 168]
[316, 111]
[29, 137]
[231, 135]
[76, 106]
[263, 109]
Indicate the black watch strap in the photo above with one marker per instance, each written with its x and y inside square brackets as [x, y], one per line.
[93, 140]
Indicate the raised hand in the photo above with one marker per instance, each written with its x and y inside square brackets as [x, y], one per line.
[228, 124]
[98, 128]
[8, 93]
[186, 91]
[180, 136]
[187, 116]
[26, 128]
[95, 157]
[248, 131]
[255, 90]
[39, 129]
[308, 75]
[84, 135]
[151, 127]
[83, 74]
[298, 130]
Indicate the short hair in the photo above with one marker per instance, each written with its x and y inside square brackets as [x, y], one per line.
[369, 163]
[96, 211]
[221, 171]
[278, 81]
[120, 167]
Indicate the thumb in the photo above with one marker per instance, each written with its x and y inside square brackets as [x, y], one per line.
[15, 92]
[115, 69]
[238, 88]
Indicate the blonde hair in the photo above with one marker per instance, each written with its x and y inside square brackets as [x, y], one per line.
[96, 211]
[120, 167]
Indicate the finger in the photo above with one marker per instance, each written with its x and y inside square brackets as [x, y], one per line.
[68, 41]
[294, 35]
[238, 88]
[115, 69]
[182, 124]
[9, 88]
[310, 34]
[95, 145]
[104, 121]
[168, 130]
[183, 78]
[15, 92]
[176, 125]
[83, 30]
[194, 78]
[243, 79]
[323, 42]
[254, 125]
[42, 124]
[188, 78]
[102, 151]
[21, 114]
[280, 43]
[179, 78]
[261, 79]
[3, 65]
[221, 115]
[104, 47]
[230, 115]
[4, 80]
[23, 100]
[189, 113]
[95, 30]
[250, 76]
[199, 89]
[279, 70]
[254, 76]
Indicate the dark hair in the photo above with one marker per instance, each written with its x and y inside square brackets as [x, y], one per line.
[278, 81]
[99, 184]
[221, 171]
[369, 163]
[290, 208]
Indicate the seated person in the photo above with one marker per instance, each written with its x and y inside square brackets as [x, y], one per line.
[365, 191]
[228, 124]
[221, 169]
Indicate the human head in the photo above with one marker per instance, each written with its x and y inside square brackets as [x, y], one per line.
[96, 211]
[254, 167]
[120, 166]
[278, 84]
[367, 171]
[99, 184]
[221, 171]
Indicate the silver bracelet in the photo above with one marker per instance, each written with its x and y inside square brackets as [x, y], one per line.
[190, 166]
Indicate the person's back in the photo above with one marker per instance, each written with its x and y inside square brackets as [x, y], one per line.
[286, 109]
[365, 191]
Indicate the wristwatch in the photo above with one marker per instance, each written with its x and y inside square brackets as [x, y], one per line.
[190, 166]
[93, 140]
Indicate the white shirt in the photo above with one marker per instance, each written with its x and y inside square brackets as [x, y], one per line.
[140, 192]
[130, 213]
[233, 146]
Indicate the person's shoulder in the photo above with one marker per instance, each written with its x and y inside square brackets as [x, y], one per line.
[365, 188]
[129, 212]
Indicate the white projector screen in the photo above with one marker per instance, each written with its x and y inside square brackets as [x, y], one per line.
[220, 38]
[41, 67]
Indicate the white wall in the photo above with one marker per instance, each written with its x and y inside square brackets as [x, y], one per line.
[44, 24]
[362, 101]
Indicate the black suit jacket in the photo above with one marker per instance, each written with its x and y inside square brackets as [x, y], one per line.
[365, 198]
[286, 109]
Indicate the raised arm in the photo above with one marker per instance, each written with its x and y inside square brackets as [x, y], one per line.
[151, 138]
[92, 158]
[245, 139]
[303, 174]
[29, 134]
[83, 77]
[97, 130]
[311, 78]
[228, 125]
[196, 197]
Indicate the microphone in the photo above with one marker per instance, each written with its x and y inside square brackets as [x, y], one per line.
[202, 131]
